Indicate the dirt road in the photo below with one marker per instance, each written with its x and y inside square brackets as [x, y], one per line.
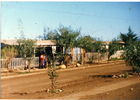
[71, 81]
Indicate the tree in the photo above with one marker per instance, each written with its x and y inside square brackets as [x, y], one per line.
[132, 53]
[112, 48]
[8, 53]
[128, 38]
[85, 42]
[99, 47]
[53, 75]
[132, 50]
[27, 50]
[67, 37]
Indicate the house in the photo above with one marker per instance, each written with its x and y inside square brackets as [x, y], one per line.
[49, 45]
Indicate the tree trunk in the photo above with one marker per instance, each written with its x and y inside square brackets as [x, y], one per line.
[52, 84]
[108, 58]
[8, 66]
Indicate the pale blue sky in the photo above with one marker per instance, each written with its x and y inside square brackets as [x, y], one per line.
[101, 19]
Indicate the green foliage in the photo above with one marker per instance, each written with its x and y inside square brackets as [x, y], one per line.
[85, 42]
[53, 74]
[98, 46]
[128, 38]
[8, 53]
[27, 49]
[132, 53]
[112, 59]
[24, 72]
[67, 37]
[64, 36]
[113, 47]
[126, 75]
[132, 50]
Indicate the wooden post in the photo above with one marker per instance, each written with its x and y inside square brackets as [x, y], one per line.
[83, 55]
[72, 54]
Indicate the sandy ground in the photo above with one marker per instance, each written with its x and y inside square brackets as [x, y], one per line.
[71, 82]
[122, 93]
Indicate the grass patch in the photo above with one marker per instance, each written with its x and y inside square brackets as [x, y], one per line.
[113, 59]
[24, 72]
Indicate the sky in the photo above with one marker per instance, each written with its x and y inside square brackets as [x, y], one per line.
[104, 20]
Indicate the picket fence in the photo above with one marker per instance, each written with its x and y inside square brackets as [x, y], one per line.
[19, 63]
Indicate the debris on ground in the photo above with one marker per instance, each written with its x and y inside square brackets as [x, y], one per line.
[131, 89]
[62, 66]
[106, 93]
[114, 76]
[78, 65]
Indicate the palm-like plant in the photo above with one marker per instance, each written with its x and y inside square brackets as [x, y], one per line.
[128, 38]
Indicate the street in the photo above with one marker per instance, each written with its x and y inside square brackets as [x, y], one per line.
[41, 81]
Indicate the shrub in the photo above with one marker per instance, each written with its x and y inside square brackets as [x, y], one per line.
[53, 75]
[126, 75]
[133, 56]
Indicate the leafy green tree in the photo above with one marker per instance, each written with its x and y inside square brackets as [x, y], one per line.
[85, 42]
[112, 48]
[128, 38]
[67, 37]
[99, 47]
[8, 53]
[64, 36]
[27, 50]
[132, 53]
[132, 49]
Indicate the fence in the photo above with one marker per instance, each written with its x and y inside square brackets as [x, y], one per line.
[19, 63]
[90, 57]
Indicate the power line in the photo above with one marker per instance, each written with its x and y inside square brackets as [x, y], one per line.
[75, 13]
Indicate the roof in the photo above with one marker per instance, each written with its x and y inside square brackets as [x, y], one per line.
[111, 41]
[9, 41]
[38, 43]
[45, 43]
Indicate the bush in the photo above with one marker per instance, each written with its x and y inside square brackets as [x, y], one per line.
[133, 56]
[53, 75]
[126, 75]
